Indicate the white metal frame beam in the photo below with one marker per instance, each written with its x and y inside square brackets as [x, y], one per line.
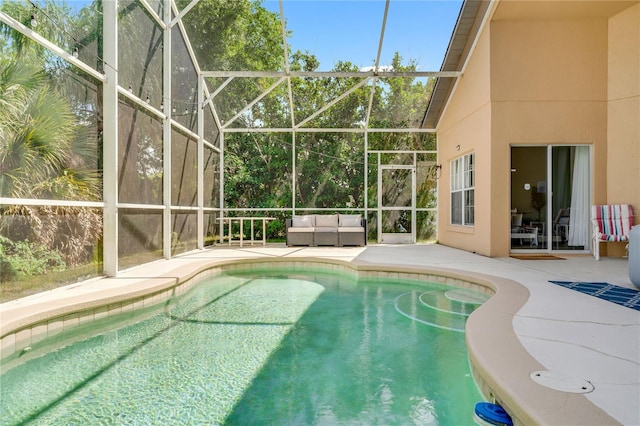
[166, 131]
[283, 25]
[376, 65]
[110, 139]
[184, 11]
[158, 20]
[200, 172]
[326, 130]
[331, 74]
[54, 48]
[171, 20]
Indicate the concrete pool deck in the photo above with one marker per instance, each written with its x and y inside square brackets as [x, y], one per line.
[553, 328]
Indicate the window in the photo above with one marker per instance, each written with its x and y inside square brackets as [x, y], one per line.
[462, 190]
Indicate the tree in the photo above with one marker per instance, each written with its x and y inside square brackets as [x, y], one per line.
[36, 155]
[234, 35]
[44, 152]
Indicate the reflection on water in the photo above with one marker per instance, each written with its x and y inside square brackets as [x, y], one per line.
[254, 349]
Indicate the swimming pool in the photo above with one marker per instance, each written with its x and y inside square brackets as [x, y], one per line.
[259, 347]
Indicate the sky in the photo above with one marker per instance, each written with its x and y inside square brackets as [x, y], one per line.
[349, 30]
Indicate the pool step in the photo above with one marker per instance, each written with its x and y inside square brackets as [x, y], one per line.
[447, 309]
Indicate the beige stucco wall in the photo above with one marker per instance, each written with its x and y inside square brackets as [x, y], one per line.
[623, 125]
[548, 86]
[539, 80]
[464, 128]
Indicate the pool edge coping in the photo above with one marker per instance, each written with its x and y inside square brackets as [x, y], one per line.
[499, 362]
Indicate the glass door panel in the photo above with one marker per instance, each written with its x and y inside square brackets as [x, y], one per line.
[528, 198]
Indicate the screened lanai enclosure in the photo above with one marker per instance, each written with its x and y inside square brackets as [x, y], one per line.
[130, 129]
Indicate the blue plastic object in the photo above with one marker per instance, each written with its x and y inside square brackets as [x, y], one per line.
[493, 414]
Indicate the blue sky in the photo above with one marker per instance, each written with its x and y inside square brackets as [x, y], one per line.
[349, 30]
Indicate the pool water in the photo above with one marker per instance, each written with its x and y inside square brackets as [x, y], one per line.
[272, 348]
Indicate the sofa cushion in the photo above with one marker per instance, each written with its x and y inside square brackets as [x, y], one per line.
[327, 220]
[351, 229]
[301, 229]
[333, 229]
[350, 220]
[303, 221]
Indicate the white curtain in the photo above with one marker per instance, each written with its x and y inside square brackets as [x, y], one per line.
[580, 204]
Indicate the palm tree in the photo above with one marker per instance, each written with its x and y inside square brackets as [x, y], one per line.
[34, 135]
[37, 160]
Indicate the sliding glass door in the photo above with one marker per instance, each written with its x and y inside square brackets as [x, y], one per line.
[550, 198]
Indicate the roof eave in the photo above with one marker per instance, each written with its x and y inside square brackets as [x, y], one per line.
[467, 28]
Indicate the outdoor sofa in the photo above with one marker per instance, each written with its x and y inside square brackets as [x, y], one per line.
[326, 230]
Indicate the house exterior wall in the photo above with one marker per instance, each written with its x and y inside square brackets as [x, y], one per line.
[548, 86]
[467, 123]
[539, 78]
[623, 116]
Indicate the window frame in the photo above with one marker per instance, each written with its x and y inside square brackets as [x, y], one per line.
[462, 190]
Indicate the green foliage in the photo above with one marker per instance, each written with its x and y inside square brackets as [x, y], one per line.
[276, 229]
[234, 35]
[330, 170]
[403, 101]
[44, 124]
[12, 289]
[41, 159]
[40, 156]
[24, 258]
[426, 226]
[258, 170]
[48, 144]
[51, 17]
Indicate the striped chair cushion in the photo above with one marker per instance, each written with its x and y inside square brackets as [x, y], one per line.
[613, 221]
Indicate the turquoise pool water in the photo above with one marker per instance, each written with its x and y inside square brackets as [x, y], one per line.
[272, 348]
